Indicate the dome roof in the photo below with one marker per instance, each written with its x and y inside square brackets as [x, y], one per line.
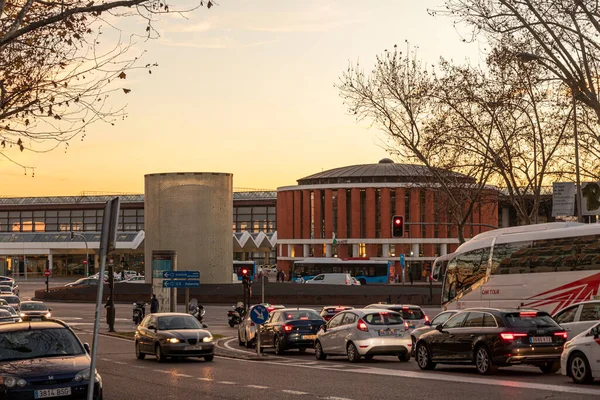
[384, 171]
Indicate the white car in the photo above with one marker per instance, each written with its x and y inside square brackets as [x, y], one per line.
[413, 316]
[135, 279]
[580, 358]
[331, 279]
[364, 333]
[579, 317]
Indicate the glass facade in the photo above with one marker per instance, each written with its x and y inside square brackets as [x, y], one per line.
[254, 219]
[67, 220]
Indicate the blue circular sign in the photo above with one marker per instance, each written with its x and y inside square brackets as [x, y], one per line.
[259, 314]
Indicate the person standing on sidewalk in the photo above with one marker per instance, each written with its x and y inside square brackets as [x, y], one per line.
[154, 305]
[410, 275]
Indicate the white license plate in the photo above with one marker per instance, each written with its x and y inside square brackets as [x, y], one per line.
[387, 332]
[309, 337]
[195, 347]
[540, 339]
[45, 393]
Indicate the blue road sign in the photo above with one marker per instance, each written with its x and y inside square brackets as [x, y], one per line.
[402, 260]
[259, 314]
[181, 274]
[181, 284]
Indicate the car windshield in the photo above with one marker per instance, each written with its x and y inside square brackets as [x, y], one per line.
[33, 307]
[11, 299]
[530, 320]
[11, 310]
[174, 323]
[38, 343]
[3, 302]
[300, 314]
[383, 318]
[4, 313]
[5, 289]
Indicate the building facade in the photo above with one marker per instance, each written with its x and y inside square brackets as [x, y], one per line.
[35, 232]
[347, 212]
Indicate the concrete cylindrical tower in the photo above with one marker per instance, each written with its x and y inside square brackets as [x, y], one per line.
[190, 213]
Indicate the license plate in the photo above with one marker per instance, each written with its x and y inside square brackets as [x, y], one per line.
[540, 339]
[195, 347]
[411, 327]
[387, 332]
[309, 337]
[45, 393]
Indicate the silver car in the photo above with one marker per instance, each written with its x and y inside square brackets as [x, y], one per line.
[364, 333]
[579, 317]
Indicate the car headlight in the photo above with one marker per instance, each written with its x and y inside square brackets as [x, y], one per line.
[207, 339]
[22, 315]
[173, 340]
[85, 376]
[48, 315]
[12, 381]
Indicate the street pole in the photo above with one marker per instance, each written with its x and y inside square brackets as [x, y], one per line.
[258, 339]
[87, 252]
[577, 176]
[96, 329]
[263, 287]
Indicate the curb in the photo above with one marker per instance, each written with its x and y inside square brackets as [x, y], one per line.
[223, 351]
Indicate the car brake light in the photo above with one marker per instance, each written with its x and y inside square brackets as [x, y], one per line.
[511, 336]
[426, 318]
[528, 314]
[405, 325]
[251, 323]
[269, 309]
[288, 328]
[361, 326]
[564, 335]
[303, 318]
[405, 307]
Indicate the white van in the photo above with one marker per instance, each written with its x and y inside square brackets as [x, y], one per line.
[331, 279]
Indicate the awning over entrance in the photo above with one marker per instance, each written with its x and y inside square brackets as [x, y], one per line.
[252, 242]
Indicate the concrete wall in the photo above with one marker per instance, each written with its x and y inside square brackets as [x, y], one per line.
[190, 213]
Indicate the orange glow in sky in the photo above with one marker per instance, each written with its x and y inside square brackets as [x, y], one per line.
[245, 88]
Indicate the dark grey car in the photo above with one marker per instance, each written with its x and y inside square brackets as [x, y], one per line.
[430, 326]
[173, 335]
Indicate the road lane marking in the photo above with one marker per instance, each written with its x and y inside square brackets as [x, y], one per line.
[119, 362]
[184, 375]
[162, 371]
[296, 392]
[226, 344]
[205, 379]
[138, 366]
[257, 387]
[445, 377]
[106, 359]
[227, 382]
[335, 398]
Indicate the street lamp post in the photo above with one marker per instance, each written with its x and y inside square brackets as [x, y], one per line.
[528, 57]
[87, 251]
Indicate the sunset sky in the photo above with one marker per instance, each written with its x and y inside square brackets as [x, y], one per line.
[245, 88]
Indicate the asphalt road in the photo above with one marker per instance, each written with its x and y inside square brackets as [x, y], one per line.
[294, 375]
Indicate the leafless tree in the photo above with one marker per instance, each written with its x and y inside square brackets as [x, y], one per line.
[400, 97]
[56, 75]
[561, 35]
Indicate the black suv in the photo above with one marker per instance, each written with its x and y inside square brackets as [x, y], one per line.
[492, 338]
[44, 359]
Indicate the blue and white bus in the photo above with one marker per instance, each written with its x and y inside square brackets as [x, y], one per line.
[251, 265]
[365, 271]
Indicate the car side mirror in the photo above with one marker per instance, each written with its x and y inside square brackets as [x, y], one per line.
[49, 309]
[204, 326]
[152, 327]
[440, 328]
[595, 332]
[324, 328]
[427, 323]
[86, 346]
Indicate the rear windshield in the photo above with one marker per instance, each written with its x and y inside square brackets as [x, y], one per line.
[12, 299]
[38, 343]
[5, 289]
[300, 314]
[411, 314]
[383, 318]
[530, 320]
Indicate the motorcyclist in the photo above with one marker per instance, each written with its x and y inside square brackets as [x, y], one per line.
[154, 304]
[240, 309]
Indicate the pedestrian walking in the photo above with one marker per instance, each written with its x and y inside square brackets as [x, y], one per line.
[122, 274]
[154, 304]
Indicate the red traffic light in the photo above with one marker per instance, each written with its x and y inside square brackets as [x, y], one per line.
[398, 221]
[398, 226]
[245, 271]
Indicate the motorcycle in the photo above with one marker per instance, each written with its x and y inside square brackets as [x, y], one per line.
[197, 311]
[139, 312]
[235, 316]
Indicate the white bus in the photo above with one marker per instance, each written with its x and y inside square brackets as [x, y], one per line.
[544, 266]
